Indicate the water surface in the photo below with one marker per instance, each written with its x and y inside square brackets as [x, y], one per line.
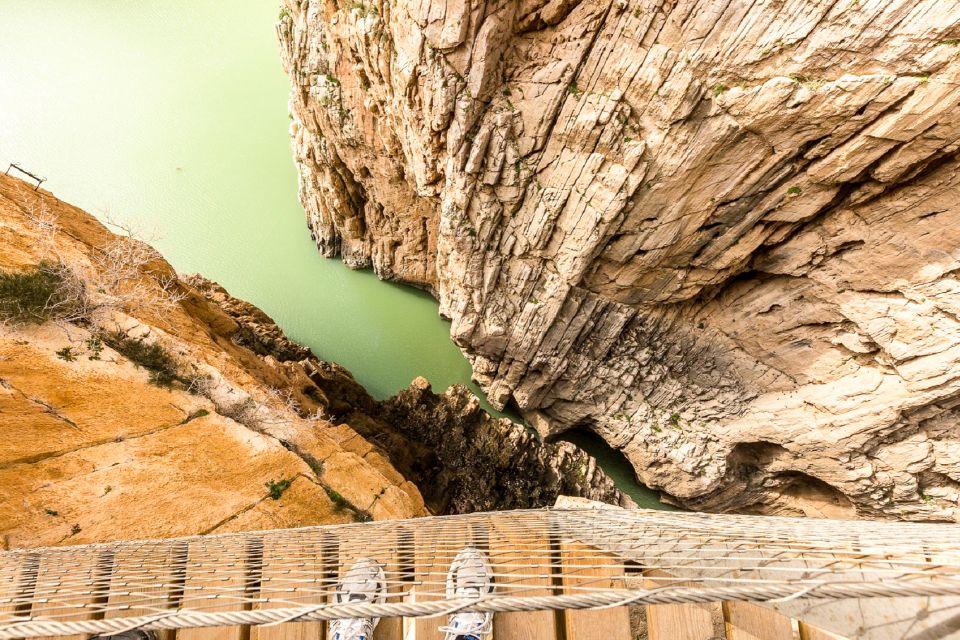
[171, 117]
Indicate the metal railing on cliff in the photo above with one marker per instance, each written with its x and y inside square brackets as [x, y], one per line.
[32, 176]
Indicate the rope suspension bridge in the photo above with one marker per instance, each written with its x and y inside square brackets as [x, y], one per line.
[573, 574]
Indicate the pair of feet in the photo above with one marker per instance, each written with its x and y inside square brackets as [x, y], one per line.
[469, 576]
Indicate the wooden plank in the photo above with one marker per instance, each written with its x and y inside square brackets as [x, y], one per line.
[809, 632]
[290, 582]
[145, 582]
[677, 621]
[67, 583]
[585, 566]
[18, 578]
[747, 621]
[434, 549]
[523, 568]
[216, 579]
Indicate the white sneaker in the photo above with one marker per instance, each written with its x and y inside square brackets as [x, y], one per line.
[364, 582]
[470, 576]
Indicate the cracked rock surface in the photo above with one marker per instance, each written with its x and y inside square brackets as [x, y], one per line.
[724, 236]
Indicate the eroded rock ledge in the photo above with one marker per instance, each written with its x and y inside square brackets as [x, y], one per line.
[724, 236]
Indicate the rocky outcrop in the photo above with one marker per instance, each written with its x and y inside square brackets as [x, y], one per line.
[722, 235]
[473, 462]
[95, 446]
[246, 430]
[461, 459]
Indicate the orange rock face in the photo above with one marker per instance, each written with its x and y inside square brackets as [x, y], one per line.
[92, 450]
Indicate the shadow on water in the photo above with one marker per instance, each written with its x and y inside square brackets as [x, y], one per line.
[616, 465]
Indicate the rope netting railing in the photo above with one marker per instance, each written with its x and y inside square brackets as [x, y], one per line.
[544, 559]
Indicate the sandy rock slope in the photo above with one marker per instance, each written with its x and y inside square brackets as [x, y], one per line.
[91, 450]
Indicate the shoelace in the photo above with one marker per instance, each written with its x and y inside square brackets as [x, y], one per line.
[470, 623]
[479, 625]
[352, 629]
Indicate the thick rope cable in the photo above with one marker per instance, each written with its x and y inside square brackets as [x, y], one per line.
[498, 604]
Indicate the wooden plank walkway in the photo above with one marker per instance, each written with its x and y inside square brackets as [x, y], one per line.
[415, 564]
[589, 567]
[275, 582]
[678, 621]
[514, 552]
[147, 587]
[433, 554]
[68, 584]
[231, 582]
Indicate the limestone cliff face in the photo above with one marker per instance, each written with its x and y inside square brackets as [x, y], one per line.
[723, 235]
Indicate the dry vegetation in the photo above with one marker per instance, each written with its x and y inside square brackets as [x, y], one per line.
[65, 288]
[71, 288]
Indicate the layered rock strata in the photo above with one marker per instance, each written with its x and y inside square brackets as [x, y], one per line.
[722, 235]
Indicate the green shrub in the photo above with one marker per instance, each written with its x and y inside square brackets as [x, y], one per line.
[363, 9]
[276, 488]
[163, 367]
[809, 82]
[95, 347]
[719, 88]
[199, 413]
[66, 354]
[359, 515]
[341, 503]
[337, 499]
[49, 291]
[794, 190]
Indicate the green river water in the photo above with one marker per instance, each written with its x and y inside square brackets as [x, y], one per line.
[171, 117]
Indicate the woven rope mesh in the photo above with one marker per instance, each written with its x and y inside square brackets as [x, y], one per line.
[547, 559]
